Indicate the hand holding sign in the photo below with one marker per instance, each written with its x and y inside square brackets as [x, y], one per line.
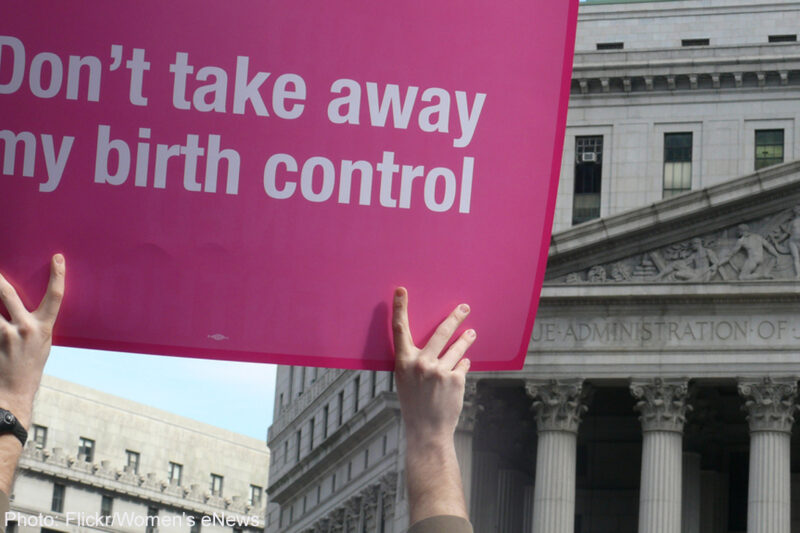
[430, 385]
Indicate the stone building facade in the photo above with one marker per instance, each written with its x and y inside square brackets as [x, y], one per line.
[660, 388]
[96, 462]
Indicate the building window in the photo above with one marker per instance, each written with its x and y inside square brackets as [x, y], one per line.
[349, 470]
[333, 483]
[769, 148]
[106, 506]
[677, 163]
[175, 474]
[216, 485]
[311, 434]
[790, 38]
[133, 461]
[695, 42]
[40, 436]
[298, 440]
[12, 527]
[391, 381]
[57, 505]
[373, 389]
[152, 520]
[588, 178]
[366, 458]
[325, 422]
[196, 524]
[86, 450]
[385, 443]
[255, 495]
[302, 386]
[356, 392]
[610, 46]
[340, 407]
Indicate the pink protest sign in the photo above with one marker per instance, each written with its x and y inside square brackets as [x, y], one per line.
[251, 180]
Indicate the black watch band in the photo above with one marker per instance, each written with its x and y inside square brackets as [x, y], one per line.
[10, 424]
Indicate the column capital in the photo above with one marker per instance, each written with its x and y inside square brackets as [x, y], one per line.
[770, 403]
[352, 507]
[558, 404]
[370, 496]
[662, 403]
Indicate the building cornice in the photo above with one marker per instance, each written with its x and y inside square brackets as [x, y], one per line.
[637, 294]
[55, 465]
[591, 12]
[644, 72]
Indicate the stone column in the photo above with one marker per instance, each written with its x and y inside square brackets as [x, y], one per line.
[388, 488]
[713, 505]
[370, 523]
[558, 406]
[662, 404]
[770, 405]
[527, 509]
[510, 499]
[690, 495]
[484, 496]
[464, 438]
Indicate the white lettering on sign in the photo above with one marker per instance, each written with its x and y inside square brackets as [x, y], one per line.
[243, 89]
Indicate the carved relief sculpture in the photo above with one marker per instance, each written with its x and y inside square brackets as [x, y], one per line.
[767, 248]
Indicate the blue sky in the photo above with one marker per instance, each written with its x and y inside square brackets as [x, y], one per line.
[235, 396]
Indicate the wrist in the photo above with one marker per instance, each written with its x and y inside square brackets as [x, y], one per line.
[21, 409]
[429, 444]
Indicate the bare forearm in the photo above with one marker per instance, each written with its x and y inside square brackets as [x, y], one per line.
[10, 452]
[434, 480]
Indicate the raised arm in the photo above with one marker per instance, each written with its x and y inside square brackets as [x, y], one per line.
[430, 385]
[25, 340]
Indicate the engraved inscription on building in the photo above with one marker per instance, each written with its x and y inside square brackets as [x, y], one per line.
[664, 332]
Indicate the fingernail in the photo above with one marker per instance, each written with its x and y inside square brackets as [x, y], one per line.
[59, 259]
[464, 308]
[471, 333]
[398, 292]
[469, 363]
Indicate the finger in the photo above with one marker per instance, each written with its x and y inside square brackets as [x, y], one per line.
[403, 342]
[10, 298]
[458, 349]
[445, 330]
[51, 303]
[463, 367]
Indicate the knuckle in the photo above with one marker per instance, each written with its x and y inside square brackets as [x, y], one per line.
[57, 293]
[25, 327]
[445, 331]
[421, 367]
